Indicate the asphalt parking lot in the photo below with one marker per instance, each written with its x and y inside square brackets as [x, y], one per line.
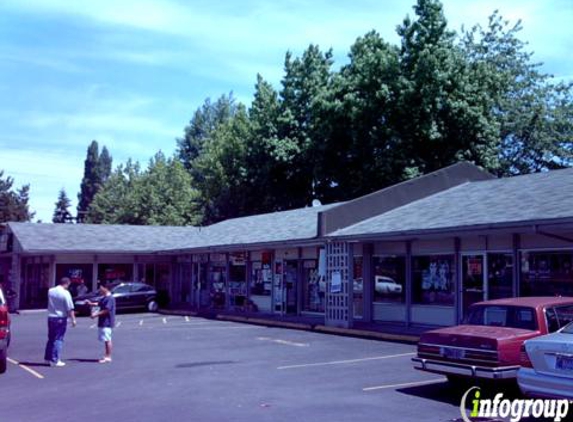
[173, 368]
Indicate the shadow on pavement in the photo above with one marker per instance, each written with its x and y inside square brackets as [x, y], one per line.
[33, 364]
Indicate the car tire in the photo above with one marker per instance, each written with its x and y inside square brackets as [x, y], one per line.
[152, 306]
[3, 361]
[8, 340]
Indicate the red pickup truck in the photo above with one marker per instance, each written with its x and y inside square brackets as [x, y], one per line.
[489, 343]
[4, 331]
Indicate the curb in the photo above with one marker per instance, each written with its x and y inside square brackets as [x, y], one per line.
[347, 332]
[371, 335]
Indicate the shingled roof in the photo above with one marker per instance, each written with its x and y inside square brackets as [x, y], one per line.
[284, 226]
[539, 197]
[476, 204]
[99, 238]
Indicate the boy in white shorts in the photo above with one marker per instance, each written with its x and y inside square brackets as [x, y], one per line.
[106, 319]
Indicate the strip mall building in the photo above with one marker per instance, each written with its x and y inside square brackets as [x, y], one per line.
[417, 253]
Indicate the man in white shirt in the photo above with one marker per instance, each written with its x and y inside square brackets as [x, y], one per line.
[60, 307]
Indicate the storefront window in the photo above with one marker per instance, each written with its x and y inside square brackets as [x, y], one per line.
[433, 280]
[313, 287]
[262, 276]
[547, 274]
[80, 276]
[217, 281]
[115, 273]
[500, 275]
[237, 279]
[358, 287]
[261, 279]
[389, 278]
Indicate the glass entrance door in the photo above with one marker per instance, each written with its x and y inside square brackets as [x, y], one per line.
[290, 286]
[473, 280]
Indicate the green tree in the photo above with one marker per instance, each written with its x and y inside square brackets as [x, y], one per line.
[263, 154]
[160, 195]
[97, 169]
[298, 146]
[359, 122]
[13, 203]
[532, 116]
[443, 115]
[223, 187]
[116, 202]
[165, 195]
[105, 163]
[61, 212]
[205, 120]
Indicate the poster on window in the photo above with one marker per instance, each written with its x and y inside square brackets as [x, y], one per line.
[336, 282]
[437, 281]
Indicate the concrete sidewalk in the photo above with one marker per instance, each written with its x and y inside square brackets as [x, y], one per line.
[374, 331]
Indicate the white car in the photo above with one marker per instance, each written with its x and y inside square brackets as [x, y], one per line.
[386, 285]
[547, 368]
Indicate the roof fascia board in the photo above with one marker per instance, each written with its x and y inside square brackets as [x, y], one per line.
[532, 226]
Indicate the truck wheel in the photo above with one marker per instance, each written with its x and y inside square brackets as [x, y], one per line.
[3, 363]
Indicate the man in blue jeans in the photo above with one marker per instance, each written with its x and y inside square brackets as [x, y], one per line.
[60, 307]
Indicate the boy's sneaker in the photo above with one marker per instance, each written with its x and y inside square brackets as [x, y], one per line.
[105, 360]
[58, 364]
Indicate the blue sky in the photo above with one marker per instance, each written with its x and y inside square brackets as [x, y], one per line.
[131, 73]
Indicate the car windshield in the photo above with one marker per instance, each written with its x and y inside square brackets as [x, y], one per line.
[502, 316]
[115, 286]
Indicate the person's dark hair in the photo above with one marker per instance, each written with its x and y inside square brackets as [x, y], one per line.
[64, 281]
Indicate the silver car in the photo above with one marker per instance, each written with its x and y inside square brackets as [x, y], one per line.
[547, 368]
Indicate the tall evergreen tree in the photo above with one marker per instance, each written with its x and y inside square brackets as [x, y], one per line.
[304, 88]
[97, 169]
[532, 116]
[205, 120]
[14, 203]
[105, 164]
[443, 115]
[90, 182]
[223, 186]
[359, 122]
[61, 212]
[263, 154]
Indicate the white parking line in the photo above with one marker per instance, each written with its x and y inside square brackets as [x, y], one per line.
[140, 322]
[165, 320]
[286, 342]
[343, 362]
[25, 368]
[93, 326]
[117, 325]
[406, 384]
